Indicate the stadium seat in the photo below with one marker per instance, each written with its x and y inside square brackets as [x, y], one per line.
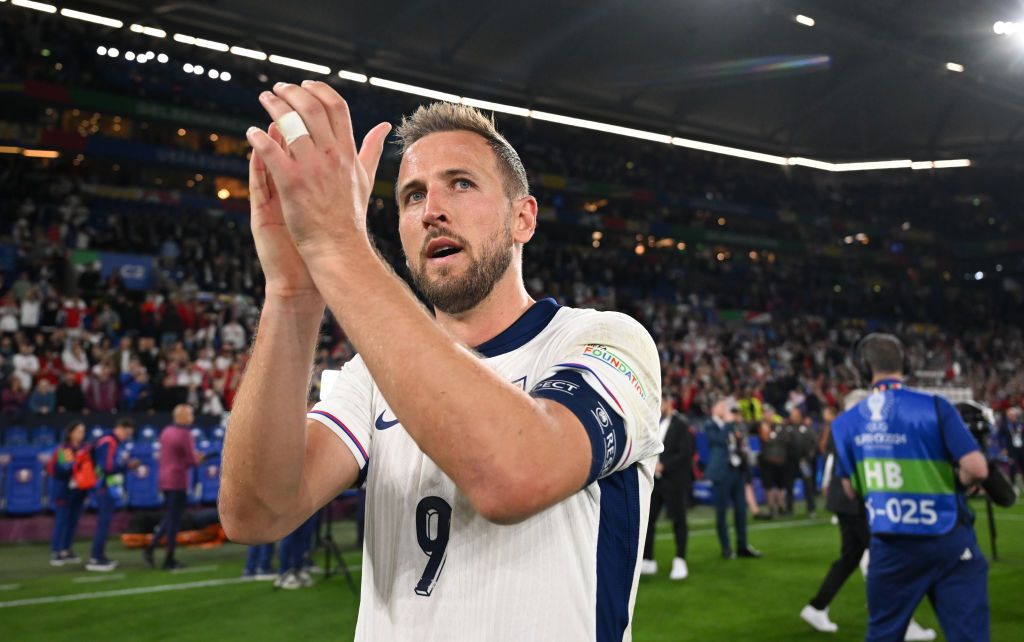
[208, 478]
[98, 431]
[142, 483]
[23, 482]
[198, 478]
[44, 436]
[16, 436]
[145, 435]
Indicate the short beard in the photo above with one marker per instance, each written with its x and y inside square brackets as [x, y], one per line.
[455, 295]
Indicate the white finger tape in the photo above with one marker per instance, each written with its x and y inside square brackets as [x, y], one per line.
[292, 127]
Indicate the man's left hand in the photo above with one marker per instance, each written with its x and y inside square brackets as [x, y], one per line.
[324, 181]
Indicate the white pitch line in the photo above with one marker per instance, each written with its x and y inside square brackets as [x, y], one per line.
[1012, 518]
[754, 527]
[51, 599]
[91, 579]
[9, 587]
[194, 569]
[141, 590]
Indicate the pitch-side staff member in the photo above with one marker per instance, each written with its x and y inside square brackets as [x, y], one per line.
[909, 456]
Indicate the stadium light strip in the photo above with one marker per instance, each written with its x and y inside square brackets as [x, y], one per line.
[40, 153]
[299, 64]
[487, 105]
[351, 75]
[91, 17]
[601, 127]
[730, 151]
[200, 42]
[38, 6]
[248, 53]
[413, 89]
[149, 31]
[570, 121]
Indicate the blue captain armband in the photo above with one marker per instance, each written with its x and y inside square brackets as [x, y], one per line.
[605, 427]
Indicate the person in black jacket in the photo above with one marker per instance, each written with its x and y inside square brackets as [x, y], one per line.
[673, 478]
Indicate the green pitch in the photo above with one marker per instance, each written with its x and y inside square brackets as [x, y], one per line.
[721, 600]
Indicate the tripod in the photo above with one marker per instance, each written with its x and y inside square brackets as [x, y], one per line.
[332, 555]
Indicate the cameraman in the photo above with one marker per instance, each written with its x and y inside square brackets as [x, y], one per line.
[909, 456]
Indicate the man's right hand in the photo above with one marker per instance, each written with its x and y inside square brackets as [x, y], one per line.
[283, 268]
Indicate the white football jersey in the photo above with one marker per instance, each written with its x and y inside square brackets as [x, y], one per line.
[434, 569]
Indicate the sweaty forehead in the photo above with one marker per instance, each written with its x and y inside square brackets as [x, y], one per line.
[435, 153]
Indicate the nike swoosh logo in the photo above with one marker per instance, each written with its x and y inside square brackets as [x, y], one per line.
[380, 424]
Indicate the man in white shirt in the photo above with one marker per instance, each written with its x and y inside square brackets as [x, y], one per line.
[233, 335]
[26, 365]
[513, 441]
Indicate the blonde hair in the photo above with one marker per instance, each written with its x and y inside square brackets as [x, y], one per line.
[451, 117]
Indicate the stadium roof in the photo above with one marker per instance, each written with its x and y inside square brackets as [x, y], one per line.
[869, 80]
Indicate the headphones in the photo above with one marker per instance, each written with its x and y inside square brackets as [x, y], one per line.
[861, 365]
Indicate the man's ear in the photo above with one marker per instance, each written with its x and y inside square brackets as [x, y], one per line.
[524, 219]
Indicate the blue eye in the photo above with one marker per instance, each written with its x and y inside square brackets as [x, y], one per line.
[462, 183]
[415, 197]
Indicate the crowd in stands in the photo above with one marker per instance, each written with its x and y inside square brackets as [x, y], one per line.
[72, 339]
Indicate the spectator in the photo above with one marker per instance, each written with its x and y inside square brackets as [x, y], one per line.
[801, 455]
[292, 555]
[137, 394]
[75, 360]
[233, 335]
[68, 499]
[177, 456]
[258, 563]
[773, 468]
[724, 470]
[15, 399]
[211, 403]
[673, 479]
[101, 391]
[70, 397]
[112, 462]
[124, 355]
[1011, 439]
[31, 309]
[21, 287]
[26, 365]
[43, 399]
[50, 368]
[8, 314]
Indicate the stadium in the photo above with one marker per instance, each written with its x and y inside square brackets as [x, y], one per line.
[728, 232]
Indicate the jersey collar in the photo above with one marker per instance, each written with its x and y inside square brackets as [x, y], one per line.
[887, 384]
[525, 328]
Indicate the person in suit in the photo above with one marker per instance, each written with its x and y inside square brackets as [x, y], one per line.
[725, 472]
[1011, 438]
[673, 478]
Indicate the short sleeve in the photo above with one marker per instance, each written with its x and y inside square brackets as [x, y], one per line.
[615, 357]
[345, 408]
[841, 440]
[955, 436]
